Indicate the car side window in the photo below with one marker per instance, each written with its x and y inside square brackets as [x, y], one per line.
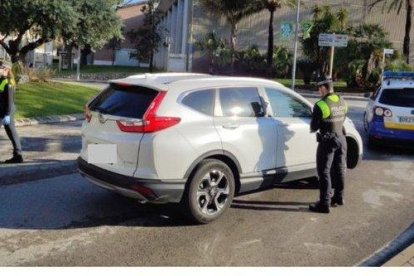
[202, 101]
[241, 102]
[286, 106]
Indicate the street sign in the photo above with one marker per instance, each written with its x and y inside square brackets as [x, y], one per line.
[332, 40]
[286, 30]
[306, 28]
[388, 51]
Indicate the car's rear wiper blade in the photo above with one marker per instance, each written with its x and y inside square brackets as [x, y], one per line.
[101, 110]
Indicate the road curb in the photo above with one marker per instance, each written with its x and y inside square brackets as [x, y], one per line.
[49, 120]
[405, 258]
[391, 250]
[26, 172]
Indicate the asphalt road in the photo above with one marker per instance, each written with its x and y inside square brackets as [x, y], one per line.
[65, 221]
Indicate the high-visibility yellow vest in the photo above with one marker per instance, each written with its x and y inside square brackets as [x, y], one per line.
[3, 85]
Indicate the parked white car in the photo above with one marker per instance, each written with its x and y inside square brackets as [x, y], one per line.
[199, 139]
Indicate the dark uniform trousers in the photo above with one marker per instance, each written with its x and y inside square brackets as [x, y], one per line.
[331, 166]
[12, 134]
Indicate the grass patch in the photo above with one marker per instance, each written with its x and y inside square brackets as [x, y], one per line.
[101, 69]
[51, 98]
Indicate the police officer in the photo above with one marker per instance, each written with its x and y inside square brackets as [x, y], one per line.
[7, 110]
[328, 117]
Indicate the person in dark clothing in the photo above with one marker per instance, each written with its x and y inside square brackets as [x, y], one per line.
[7, 110]
[328, 117]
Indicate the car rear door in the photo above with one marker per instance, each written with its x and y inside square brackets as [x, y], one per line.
[117, 106]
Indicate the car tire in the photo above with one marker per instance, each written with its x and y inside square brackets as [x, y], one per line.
[352, 155]
[209, 192]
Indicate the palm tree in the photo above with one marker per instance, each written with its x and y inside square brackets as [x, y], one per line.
[272, 6]
[234, 12]
[397, 5]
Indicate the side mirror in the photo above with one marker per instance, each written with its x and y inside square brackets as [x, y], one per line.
[367, 95]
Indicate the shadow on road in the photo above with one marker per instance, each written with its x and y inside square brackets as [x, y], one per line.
[70, 202]
[271, 206]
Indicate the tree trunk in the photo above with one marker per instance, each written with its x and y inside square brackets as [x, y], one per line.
[151, 61]
[406, 47]
[232, 45]
[270, 41]
[113, 55]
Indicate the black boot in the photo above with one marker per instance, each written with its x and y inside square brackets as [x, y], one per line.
[16, 159]
[335, 202]
[319, 208]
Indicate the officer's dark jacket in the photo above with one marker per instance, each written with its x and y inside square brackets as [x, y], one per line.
[6, 97]
[329, 115]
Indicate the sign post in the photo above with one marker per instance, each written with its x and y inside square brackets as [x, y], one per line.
[296, 46]
[332, 40]
[385, 52]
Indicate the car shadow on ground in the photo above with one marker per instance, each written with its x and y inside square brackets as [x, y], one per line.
[77, 205]
[385, 152]
[259, 205]
[271, 206]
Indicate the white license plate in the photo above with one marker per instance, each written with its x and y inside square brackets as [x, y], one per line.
[406, 119]
[102, 154]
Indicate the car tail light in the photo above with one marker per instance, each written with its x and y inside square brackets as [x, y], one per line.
[151, 122]
[382, 112]
[87, 113]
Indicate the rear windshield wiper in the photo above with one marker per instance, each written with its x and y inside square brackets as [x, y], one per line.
[101, 110]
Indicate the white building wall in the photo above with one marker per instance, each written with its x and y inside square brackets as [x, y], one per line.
[175, 21]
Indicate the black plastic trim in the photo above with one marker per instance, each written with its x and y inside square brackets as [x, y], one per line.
[212, 153]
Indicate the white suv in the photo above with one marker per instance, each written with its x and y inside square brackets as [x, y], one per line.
[199, 139]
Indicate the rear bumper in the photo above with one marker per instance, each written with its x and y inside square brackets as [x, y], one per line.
[144, 190]
[396, 137]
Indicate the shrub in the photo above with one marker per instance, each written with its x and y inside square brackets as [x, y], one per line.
[399, 65]
[282, 62]
[373, 80]
[354, 77]
[38, 74]
[306, 67]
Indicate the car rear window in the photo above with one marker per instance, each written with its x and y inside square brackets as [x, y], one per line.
[202, 101]
[398, 97]
[124, 101]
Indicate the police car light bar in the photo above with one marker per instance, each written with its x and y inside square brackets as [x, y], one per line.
[398, 75]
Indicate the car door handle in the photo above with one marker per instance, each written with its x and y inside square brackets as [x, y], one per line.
[231, 126]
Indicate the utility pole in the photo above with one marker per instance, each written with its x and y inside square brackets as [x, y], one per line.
[78, 65]
[296, 45]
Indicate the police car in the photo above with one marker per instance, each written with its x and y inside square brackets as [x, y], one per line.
[389, 116]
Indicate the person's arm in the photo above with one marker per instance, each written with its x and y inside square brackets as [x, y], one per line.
[316, 119]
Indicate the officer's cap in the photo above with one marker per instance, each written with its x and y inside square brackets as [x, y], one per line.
[324, 81]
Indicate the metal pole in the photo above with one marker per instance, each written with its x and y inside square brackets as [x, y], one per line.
[78, 65]
[296, 45]
[383, 63]
[332, 61]
[331, 67]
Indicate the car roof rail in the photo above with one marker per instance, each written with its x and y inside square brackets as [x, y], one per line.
[401, 75]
